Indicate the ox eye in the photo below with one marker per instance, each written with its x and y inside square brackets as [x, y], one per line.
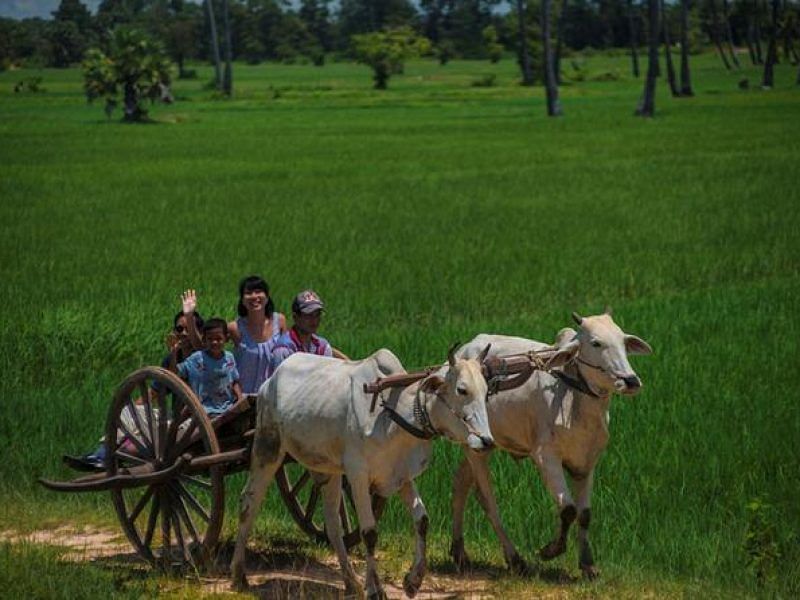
[596, 344]
[462, 391]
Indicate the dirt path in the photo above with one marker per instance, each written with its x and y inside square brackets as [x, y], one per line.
[280, 573]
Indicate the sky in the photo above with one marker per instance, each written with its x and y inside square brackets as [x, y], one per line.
[22, 9]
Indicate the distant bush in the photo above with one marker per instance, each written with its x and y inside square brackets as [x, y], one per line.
[188, 74]
[605, 76]
[30, 85]
[484, 81]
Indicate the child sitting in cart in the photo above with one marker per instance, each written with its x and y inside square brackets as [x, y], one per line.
[212, 372]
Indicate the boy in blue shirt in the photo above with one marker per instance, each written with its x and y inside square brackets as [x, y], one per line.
[212, 372]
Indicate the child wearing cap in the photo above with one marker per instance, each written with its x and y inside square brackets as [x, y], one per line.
[307, 310]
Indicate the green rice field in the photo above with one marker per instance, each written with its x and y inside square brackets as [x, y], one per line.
[424, 215]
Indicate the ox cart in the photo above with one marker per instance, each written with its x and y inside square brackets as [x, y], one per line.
[166, 463]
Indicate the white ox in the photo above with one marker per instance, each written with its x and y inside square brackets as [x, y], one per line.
[561, 423]
[314, 408]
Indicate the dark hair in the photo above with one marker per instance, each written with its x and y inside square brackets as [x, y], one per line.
[248, 284]
[198, 320]
[215, 323]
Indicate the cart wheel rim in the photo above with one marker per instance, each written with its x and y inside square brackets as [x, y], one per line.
[176, 521]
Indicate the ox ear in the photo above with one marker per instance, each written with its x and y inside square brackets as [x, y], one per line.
[484, 353]
[432, 384]
[564, 354]
[636, 345]
[577, 318]
[451, 354]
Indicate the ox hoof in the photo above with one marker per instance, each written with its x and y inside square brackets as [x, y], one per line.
[353, 590]
[239, 584]
[590, 572]
[459, 556]
[411, 585]
[378, 594]
[552, 550]
[517, 565]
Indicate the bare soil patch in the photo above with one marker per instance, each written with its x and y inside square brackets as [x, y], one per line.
[280, 572]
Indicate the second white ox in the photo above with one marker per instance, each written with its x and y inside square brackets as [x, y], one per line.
[314, 409]
[560, 420]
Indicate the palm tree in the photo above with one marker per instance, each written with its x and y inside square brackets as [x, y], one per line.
[712, 4]
[772, 49]
[550, 85]
[214, 44]
[729, 33]
[686, 81]
[673, 87]
[632, 35]
[647, 106]
[227, 78]
[524, 56]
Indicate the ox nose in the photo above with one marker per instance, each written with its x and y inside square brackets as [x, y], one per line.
[488, 442]
[632, 383]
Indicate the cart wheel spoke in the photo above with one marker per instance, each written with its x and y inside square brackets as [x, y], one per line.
[140, 505]
[298, 486]
[191, 528]
[344, 515]
[193, 502]
[128, 435]
[133, 411]
[196, 481]
[131, 458]
[313, 498]
[151, 521]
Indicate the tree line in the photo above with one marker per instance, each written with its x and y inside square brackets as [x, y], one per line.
[275, 30]
[383, 33]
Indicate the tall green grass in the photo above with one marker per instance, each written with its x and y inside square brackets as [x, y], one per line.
[424, 215]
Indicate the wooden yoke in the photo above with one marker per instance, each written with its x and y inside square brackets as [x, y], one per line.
[497, 368]
[393, 381]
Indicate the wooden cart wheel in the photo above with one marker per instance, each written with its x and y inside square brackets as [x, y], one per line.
[155, 418]
[301, 491]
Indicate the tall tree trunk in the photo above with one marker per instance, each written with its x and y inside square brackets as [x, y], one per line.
[560, 39]
[759, 53]
[632, 36]
[647, 106]
[524, 55]
[227, 78]
[214, 44]
[715, 33]
[673, 86]
[550, 85]
[686, 79]
[772, 49]
[751, 50]
[729, 33]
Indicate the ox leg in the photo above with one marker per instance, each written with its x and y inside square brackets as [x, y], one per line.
[487, 500]
[462, 483]
[553, 476]
[359, 485]
[332, 498]
[265, 461]
[413, 501]
[583, 494]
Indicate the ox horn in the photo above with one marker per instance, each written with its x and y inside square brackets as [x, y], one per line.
[451, 354]
[577, 318]
[484, 353]
[607, 310]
